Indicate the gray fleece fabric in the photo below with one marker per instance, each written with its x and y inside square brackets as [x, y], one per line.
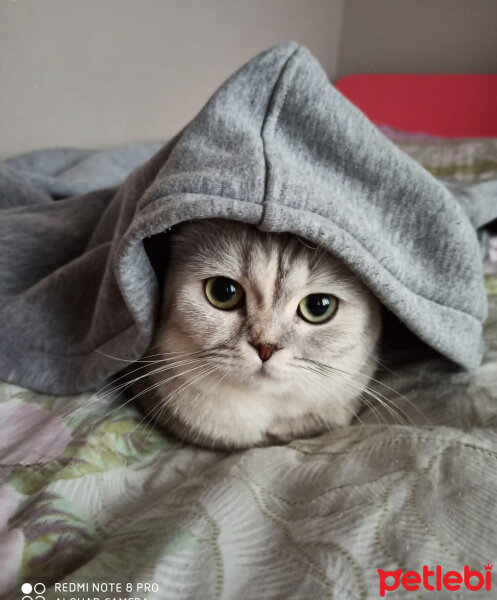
[276, 146]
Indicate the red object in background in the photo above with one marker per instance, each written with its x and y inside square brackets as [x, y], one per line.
[442, 105]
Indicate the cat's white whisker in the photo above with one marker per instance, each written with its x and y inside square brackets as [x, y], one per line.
[362, 389]
[168, 400]
[150, 414]
[119, 406]
[164, 402]
[161, 369]
[381, 398]
[164, 381]
[397, 393]
[326, 388]
[178, 355]
[99, 397]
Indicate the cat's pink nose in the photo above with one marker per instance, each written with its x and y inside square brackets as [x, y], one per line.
[265, 350]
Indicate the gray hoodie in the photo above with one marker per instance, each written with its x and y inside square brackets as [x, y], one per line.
[276, 146]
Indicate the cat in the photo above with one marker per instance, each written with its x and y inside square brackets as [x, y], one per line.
[262, 338]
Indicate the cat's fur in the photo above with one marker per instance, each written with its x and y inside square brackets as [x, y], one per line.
[208, 384]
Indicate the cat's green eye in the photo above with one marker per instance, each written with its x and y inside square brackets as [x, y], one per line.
[317, 308]
[224, 293]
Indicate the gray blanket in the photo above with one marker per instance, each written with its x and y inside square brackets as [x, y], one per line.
[276, 146]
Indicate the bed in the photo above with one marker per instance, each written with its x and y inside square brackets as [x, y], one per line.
[95, 502]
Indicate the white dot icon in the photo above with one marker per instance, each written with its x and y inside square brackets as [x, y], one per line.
[26, 588]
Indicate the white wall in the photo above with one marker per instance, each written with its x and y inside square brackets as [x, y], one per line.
[101, 72]
[418, 36]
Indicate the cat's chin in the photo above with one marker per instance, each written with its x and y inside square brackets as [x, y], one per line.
[264, 379]
[263, 375]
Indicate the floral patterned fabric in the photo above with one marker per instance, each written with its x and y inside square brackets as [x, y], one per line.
[91, 493]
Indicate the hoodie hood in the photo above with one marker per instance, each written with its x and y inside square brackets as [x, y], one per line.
[277, 147]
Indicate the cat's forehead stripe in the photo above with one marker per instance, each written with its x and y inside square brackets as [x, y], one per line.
[281, 274]
[262, 272]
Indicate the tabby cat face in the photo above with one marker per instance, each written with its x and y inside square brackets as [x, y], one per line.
[262, 338]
